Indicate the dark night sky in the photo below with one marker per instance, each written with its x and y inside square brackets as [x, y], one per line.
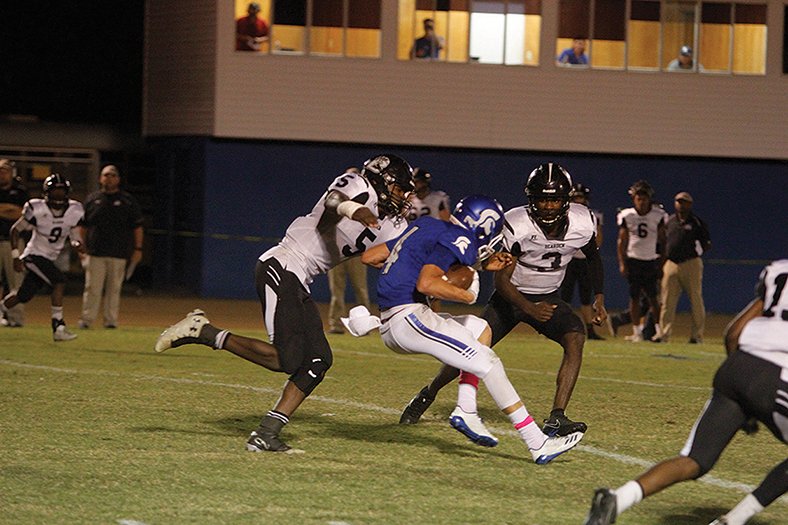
[72, 61]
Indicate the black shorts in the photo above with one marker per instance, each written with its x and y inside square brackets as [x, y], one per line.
[577, 274]
[502, 316]
[745, 386]
[643, 276]
[40, 272]
[291, 317]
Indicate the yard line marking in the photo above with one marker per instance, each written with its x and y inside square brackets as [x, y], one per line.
[622, 458]
[421, 358]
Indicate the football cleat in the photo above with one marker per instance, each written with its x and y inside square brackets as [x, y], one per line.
[561, 425]
[263, 441]
[416, 408]
[185, 331]
[554, 447]
[472, 427]
[61, 333]
[603, 508]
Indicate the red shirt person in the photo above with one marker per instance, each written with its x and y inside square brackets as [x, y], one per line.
[250, 31]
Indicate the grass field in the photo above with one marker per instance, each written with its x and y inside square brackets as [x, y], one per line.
[103, 430]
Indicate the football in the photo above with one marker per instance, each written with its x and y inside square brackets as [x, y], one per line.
[460, 275]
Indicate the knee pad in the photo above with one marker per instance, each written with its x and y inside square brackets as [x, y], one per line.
[307, 378]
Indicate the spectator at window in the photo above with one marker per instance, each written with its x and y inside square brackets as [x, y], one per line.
[428, 46]
[575, 55]
[684, 61]
[251, 30]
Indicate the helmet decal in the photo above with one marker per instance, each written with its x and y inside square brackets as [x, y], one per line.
[486, 221]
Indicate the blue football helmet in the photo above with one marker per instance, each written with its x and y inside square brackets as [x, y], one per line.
[483, 217]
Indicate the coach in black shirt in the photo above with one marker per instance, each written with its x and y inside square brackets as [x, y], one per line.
[114, 236]
[687, 239]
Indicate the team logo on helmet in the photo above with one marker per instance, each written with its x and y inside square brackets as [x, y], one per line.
[378, 164]
[462, 243]
[486, 222]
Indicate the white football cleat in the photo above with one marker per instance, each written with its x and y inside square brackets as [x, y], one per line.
[61, 333]
[555, 446]
[185, 331]
[472, 427]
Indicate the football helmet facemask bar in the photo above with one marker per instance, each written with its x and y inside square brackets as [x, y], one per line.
[483, 217]
[548, 181]
[54, 182]
[387, 173]
[579, 190]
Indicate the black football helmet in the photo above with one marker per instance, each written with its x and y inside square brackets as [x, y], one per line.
[579, 190]
[53, 182]
[548, 181]
[641, 186]
[420, 174]
[385, 173]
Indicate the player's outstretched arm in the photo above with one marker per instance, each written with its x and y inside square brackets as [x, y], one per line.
[338, 204]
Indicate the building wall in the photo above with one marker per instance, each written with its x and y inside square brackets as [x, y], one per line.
[198, 84]
[253, 190]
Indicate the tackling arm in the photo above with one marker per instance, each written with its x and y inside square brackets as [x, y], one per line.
[339, 205]
[375, 256]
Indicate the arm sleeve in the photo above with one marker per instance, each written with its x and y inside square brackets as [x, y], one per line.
[595, 269]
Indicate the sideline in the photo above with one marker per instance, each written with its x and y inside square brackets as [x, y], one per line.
[621, 458]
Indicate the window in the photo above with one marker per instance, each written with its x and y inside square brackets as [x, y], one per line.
[672, 35]
[489, 31]
[349, 28]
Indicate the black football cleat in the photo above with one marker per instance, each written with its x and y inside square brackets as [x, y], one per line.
[262, 441]
[416, 407]
[603, 508]
[560, 425]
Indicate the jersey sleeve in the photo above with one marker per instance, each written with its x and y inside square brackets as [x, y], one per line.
[29, 213]
[443, 257]
[461, 244]
[352, 185]
[621, 219]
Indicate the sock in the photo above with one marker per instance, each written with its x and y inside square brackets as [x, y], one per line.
[213, 337]
[637, 330]
[528, 429]
[57, 313]
[746, 509]
[466, 396]
[627, 495]
[273, 422]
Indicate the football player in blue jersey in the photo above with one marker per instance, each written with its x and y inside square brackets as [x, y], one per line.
[413, 267]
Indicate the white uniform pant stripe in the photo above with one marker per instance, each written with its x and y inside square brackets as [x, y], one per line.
[417, 329]
[36, 270]
[271, 300]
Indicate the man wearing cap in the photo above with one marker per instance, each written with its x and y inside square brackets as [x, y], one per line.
[12, 197]
[687, 238]
[684, 61]
[251, 31]
[113, 221]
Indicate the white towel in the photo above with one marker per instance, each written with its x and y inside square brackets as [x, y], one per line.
[360, 322]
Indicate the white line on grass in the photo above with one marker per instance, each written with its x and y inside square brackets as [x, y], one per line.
[621, 458]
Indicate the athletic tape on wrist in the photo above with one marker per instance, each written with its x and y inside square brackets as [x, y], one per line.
[348, 208]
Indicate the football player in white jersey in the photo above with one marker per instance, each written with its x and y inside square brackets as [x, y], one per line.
[542, 236]
[750, 386]
[53, 220]
[641, 253]
[356, 212]
[427, 201]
